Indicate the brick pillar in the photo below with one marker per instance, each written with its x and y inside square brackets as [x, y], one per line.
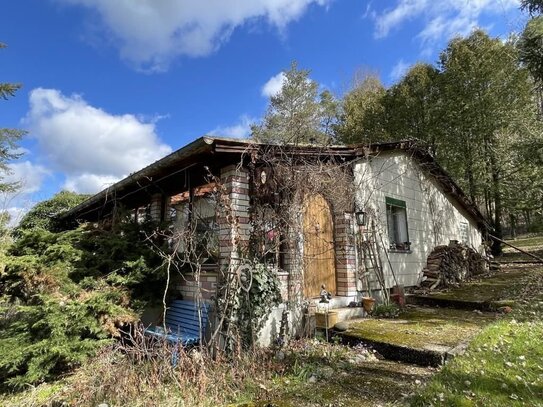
[156, 207]
[233, 219]
[345, 245]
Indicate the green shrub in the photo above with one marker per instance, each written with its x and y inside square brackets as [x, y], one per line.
[64, 295]
[386, 311]
[43, 216]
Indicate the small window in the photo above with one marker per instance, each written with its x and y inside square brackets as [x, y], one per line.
[199, 226]
[397, 225]
[267, 235]
[464, 236]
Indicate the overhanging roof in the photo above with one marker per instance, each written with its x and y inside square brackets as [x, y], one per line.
[209, 151]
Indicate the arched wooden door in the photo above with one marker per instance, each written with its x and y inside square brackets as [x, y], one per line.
[319, 251]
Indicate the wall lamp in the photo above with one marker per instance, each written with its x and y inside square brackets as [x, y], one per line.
[361, 217]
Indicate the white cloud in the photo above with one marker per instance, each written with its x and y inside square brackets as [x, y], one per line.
[89, 183]
[16, 214]
[274, 85]
[399, 70]
[29, 176]
[442, 19]
[404, 11]
[90, 146]
[240, 130]
[151, 33]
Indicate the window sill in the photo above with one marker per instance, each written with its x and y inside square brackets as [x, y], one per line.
[409, 251]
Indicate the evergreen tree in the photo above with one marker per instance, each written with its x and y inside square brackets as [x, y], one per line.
[531, 45]
[8, 138]
[43, 215]
[298, 113]
[487, 111]
[532, 6]
[477, 111]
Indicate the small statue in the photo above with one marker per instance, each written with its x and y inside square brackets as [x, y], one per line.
[325, 295]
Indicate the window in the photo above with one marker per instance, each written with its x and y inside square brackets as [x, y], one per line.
[198, 226]
[267, 234]
[464, 236]
[397, 225]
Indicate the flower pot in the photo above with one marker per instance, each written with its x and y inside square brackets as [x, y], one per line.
[326, 319]
[368, 303]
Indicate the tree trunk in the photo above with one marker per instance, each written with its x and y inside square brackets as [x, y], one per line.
[498, 207]
[513, 222]
[527, 219]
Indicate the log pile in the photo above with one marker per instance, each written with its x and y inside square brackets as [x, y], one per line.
[450, 265]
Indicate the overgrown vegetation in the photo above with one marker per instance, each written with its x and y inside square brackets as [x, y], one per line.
[9, 139]
[63, 295]
[386, 311]
[139, 375]
[43, 215]
[250, 301]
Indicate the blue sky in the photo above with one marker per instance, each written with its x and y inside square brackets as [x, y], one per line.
[112, 85]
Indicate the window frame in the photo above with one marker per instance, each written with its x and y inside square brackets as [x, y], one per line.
[404, 247]
[205, 228]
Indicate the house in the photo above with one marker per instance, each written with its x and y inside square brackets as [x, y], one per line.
[296, 209]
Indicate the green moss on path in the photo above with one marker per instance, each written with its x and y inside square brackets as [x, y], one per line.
[366, 384]
[497, 287]
[422, 328]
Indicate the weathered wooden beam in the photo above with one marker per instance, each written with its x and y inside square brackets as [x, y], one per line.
[539, 259]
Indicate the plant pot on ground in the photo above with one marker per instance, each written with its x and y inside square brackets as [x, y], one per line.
[368, 303]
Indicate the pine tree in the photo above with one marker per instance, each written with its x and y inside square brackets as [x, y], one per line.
[298, 113]
[530, 45]
[8, 138]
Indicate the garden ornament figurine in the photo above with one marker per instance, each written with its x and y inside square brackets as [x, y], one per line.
[325, 295]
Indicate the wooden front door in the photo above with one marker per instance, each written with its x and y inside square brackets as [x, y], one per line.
[319, 252]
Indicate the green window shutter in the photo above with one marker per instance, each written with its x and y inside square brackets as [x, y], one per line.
[395, 202]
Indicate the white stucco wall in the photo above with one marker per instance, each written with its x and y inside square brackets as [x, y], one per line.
[432, 217]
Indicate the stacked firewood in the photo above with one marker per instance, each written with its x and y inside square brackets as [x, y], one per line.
[450, 265]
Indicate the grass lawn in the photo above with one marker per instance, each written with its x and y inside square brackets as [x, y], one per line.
[533, 244]
[525, 242]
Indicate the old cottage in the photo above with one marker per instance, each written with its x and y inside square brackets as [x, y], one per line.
[303, 211]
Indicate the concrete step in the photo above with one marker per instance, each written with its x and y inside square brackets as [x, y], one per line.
[347, 313]
[420, 335]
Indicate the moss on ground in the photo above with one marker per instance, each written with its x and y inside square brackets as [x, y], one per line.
[366, 384]
[503, 285]
[503, 365]
[420, 327]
